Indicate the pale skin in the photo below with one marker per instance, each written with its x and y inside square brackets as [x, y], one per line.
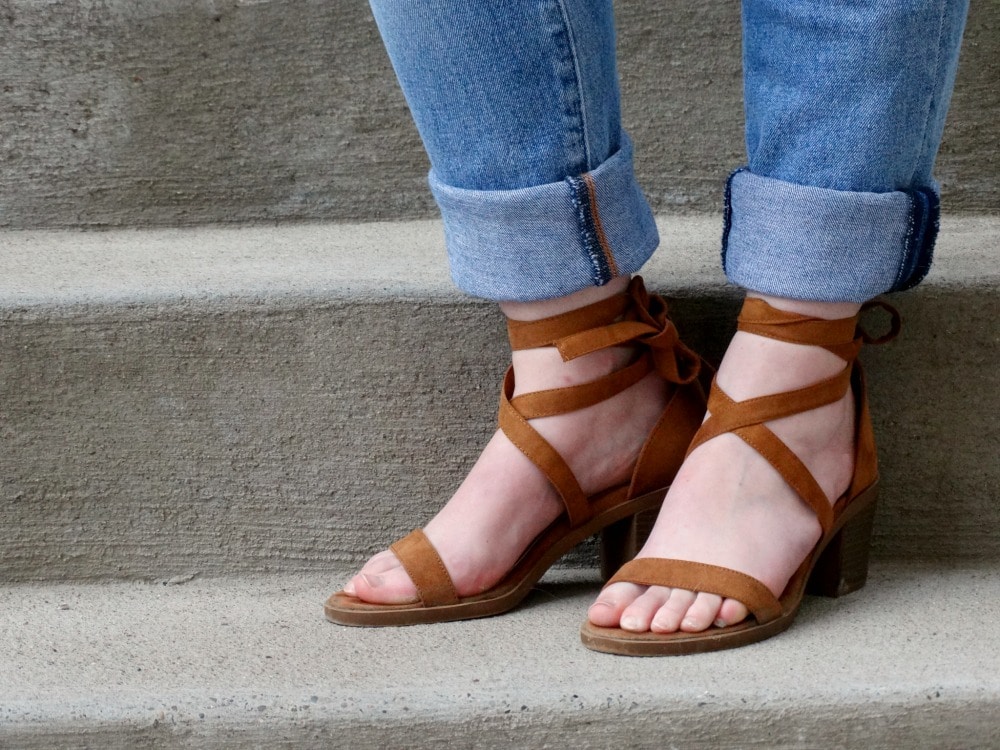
[726, 507]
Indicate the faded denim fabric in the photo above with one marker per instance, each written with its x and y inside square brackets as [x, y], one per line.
[518, 106]
[549, 240]
[845, 106]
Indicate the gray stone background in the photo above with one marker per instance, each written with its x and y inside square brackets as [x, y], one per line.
[181, 112]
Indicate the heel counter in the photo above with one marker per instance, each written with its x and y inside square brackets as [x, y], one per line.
[866, 452]
[664, 451]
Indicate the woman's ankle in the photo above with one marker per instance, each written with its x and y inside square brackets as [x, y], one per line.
[546, 308]
[756, 365]
[825, 310]
[544, 368]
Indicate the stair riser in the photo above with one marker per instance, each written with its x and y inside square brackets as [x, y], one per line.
[159, 441]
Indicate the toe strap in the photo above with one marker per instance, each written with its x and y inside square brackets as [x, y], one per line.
[427, 571]
[711, 579]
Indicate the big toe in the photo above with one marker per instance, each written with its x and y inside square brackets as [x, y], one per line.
[382, 562]
[383, 585]
[607, 610]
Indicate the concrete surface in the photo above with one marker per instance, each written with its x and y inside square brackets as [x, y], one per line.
[153, 113]
[912, 660]
[215, 401]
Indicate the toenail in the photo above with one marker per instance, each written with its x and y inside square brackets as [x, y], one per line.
[373, 581]
[630, 623]
[349, 588]
[689, 623]
[600, 603]
[720, 623]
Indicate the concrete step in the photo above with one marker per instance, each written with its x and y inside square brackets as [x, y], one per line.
[220, 401]
[142, 113]
[912, 660]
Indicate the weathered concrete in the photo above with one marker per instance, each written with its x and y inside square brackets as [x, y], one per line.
[213, 401]
[154, 113]
[909, 661]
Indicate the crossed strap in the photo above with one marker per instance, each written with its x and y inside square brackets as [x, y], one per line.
[709, 579]
[746, 419]
[634, 317]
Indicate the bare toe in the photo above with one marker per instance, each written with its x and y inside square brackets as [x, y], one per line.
[390, 585]
[606, 612]
[380, 563]
[702, 613]
[731, 612]
[668, 617]
[639, 614]
[374, 569]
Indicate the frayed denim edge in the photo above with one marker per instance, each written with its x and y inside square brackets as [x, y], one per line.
[727, 213]
[601, 272]
[921, 235]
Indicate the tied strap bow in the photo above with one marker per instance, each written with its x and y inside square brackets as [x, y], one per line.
[643, 320]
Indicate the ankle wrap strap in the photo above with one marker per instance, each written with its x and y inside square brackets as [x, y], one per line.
[842, 337]
[633, 317]
[746, 419]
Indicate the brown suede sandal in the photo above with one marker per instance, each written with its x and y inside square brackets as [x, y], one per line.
[634, 319]
[838, 564]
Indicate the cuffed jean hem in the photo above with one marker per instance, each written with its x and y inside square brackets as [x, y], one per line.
[548, 240]
[812, 243]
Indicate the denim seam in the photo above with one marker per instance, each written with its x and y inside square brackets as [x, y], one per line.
[930, 98]
[579, 112]
[585, 203]
[602, 238]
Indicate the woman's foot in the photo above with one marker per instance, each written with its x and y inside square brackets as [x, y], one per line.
[728, 506]
[505, 501]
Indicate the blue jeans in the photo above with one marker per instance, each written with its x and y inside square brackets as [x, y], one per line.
[517, 103]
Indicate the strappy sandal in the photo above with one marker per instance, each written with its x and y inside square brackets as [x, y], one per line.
[633, 319]
[838, 564]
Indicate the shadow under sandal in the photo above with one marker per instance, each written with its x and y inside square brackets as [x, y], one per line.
[633, 319]
[838, 564]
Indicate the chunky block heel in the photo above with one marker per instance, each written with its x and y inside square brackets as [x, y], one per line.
[620, 542]
[843, 565]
